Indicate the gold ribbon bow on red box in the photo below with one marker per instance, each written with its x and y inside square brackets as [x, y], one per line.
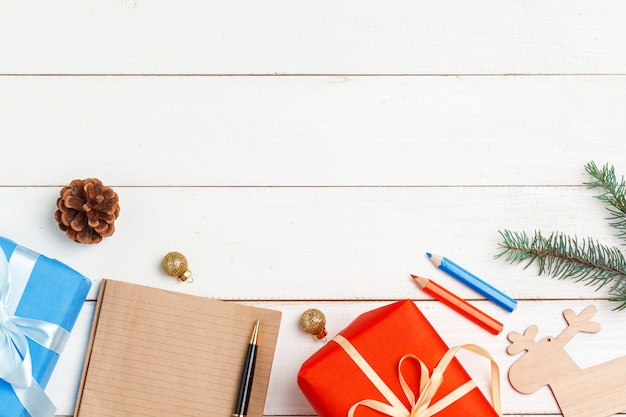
[421, 405]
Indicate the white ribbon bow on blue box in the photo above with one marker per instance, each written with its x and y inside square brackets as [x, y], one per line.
[40, 299]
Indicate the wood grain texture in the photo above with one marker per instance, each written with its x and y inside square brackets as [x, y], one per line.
[310, 131]
[315, 243]
[280, 37]
[595, 391]
[308, 155]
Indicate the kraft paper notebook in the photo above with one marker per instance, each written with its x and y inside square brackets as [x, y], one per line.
[155, 353]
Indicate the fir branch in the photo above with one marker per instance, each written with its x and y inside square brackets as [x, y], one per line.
[561, 256]
[614, 195]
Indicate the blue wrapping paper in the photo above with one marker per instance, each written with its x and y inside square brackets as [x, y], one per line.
[54, 293]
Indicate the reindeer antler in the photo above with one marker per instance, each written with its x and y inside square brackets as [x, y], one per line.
[575, 324]
[521, 342]
[578, 323]
[582, 321]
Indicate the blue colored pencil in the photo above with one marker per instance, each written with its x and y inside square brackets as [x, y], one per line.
[473, 282]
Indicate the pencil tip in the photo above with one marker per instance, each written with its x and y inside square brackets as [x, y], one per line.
[429, 254]
[421, 282]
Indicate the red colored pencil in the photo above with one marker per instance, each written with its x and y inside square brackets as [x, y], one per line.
[458, 304]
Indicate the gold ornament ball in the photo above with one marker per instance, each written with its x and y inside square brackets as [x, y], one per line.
[175, 264]
[313, 321]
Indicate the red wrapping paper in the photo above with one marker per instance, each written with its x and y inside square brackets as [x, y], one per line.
[333, 383]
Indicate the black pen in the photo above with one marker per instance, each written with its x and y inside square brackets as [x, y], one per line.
[245, 385]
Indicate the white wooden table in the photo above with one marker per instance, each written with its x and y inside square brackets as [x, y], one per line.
[308, 155]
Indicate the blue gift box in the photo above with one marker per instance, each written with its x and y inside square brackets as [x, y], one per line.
[51, 292]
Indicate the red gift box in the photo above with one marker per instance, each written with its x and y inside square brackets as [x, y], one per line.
[361, 371]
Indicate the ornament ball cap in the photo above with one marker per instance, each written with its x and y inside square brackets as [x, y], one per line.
[313, 321]
[175, 264]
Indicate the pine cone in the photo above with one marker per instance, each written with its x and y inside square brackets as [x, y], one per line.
[87, 210]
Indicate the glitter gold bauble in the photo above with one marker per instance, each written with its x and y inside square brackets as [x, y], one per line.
[175, 264]
[313, 321]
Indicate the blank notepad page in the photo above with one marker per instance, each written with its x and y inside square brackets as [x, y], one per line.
[161, 353]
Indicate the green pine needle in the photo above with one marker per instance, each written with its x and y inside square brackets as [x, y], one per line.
[561, 256]
[614, 195]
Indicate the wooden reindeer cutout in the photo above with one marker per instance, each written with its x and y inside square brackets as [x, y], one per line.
[598, 391]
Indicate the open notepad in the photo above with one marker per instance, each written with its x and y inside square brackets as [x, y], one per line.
[160, 353]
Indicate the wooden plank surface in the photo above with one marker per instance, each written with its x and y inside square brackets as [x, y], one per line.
[318, 131]
[308, 155]
[266, 243]
[279, 37]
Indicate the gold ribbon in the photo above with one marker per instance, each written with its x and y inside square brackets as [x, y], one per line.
[429, 384]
